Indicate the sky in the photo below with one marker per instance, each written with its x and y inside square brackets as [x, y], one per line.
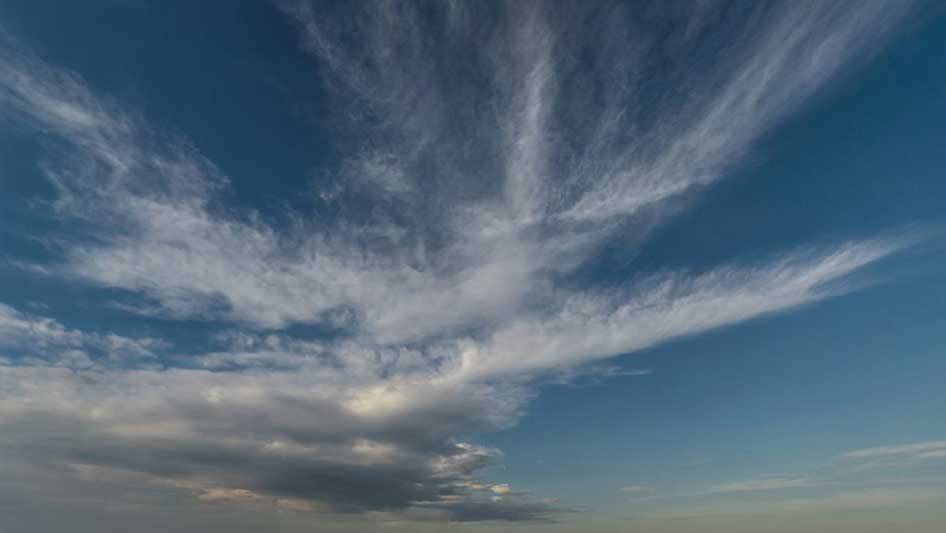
[480, 266]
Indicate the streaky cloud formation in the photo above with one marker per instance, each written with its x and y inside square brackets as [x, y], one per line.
[852, 500]
[894, 456]
[45, 342]
[484, 167]
[761, 485]
[853, 480]
[921, 449]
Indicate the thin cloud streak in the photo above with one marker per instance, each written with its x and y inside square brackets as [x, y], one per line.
[893, 457]
[762, 485]
[846, 500]
[916, 449]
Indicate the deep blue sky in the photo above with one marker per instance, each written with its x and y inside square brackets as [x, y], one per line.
[581, 267]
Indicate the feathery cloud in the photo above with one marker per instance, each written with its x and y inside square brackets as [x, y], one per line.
[495, 166]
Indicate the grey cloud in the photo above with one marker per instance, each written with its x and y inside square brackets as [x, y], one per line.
[503, 510]
[220, 432]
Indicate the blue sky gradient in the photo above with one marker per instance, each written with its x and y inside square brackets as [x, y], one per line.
[538, 266]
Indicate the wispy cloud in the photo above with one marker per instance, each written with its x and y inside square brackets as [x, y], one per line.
[845, 500]
[762, 485]
[780, 62]
[919, 449]
[37, 340]
[491, 175]
[895, 456]
[825, 488]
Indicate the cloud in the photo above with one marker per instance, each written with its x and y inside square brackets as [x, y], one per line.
[896, 456]
[591, 326]
[828, 488]
[788, 55]
[909, 450]
[484, 166]
[42, 341]
[501, 489]
[190, 259]
[845, 500]
[310, 441]
[635, 488]
[761, 485]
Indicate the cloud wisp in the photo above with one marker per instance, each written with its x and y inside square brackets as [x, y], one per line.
[497, 159]
[895, 456]
[857, 479]
[847, 500]
[41, 341]
[762, 485]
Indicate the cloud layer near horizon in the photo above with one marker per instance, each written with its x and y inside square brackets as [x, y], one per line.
[486, 165]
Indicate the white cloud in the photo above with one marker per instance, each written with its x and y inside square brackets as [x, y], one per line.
[895, 456]
[592, 326]
[501, 489]
[198, 262]
[761, 485]
[38, 340]
[915, 449]
[446, 295]
[787, 58]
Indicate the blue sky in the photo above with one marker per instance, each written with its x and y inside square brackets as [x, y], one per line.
[533, 266]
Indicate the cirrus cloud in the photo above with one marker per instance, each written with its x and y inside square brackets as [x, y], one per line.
[496, 165]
